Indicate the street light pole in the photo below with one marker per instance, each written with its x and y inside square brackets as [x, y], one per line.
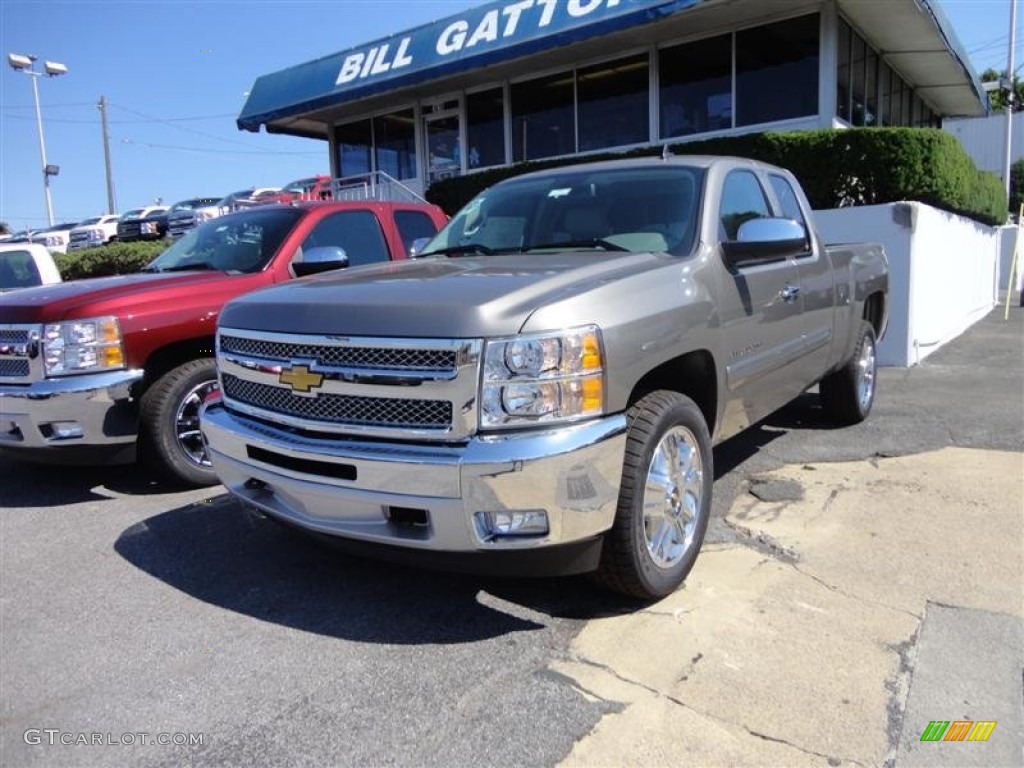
[1010, 98]
[42, 147]
[24, 63]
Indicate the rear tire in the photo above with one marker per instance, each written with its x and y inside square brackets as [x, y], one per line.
[848, 394]
[664, 499]
[169, 420]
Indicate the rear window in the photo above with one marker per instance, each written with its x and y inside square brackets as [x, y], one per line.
[18, 270]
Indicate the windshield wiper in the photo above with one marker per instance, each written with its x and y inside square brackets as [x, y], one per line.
[197, 265]
[594, 242]
[459, 250]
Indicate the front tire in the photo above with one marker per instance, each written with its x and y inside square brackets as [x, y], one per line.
[169, 416]
[848, 394]
[664, 498]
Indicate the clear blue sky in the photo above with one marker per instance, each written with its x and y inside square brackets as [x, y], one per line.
[175, 75]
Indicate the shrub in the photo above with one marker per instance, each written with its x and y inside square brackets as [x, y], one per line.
[860, 166]
[112, 259]
[1016, 186]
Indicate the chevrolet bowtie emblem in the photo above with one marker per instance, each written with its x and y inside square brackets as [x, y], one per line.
[301, 379]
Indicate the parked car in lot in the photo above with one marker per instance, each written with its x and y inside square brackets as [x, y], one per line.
[99, 230]
[153, 226]
[54, 239]
[186, 214]
[313, 188]
[542, 391]
[247, 198]
[129, 226]
[25, 265]
[103, 369]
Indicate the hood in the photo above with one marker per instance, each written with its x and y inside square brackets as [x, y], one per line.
[432, 298]
[124, 294]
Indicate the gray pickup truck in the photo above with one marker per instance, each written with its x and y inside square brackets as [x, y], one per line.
[541, 391]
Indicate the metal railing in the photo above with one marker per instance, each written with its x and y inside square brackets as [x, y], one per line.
[377, 186]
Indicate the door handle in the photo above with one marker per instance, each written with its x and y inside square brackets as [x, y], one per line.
[790, 293]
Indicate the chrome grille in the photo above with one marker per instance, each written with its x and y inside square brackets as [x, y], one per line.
[10, 369]
[377, 358]
[342, 409]
[13, 335]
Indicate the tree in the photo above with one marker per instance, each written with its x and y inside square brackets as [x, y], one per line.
[5, 228]
[1016, 186]
[998, 98]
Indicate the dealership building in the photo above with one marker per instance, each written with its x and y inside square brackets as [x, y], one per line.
[517, 80]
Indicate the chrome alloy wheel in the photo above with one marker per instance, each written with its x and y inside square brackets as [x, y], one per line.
[672, 497]
[866, 370]
[186, 423]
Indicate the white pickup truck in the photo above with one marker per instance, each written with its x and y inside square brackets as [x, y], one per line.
[24, 265]
[99, 230]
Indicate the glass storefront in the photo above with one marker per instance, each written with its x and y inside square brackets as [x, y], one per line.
[696, 87]
[869, 92]
[741, 79]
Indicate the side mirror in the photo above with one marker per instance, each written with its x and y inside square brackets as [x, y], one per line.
[417, 246]
[322, 259]
[760, 241]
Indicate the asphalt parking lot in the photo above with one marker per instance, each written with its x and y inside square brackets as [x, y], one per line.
[131, 610]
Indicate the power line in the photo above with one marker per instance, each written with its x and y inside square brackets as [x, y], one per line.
[183, 128]
[205, 150]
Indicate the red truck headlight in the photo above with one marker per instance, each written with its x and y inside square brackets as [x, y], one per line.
[83, 346]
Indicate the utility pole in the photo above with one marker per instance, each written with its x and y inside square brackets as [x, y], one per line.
[111, 206]
[1010, 94]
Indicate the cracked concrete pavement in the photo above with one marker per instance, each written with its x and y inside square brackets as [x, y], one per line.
[765, 660]
[796, 640]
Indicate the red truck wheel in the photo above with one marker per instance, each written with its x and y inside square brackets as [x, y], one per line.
[169, 416]
[664, 498]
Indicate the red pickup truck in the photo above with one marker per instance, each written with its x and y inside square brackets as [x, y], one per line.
[108, 369]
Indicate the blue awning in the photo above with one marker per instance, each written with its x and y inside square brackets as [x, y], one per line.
[495, 32]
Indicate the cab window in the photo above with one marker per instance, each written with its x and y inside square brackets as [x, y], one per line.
[358, 233]
[743, 199]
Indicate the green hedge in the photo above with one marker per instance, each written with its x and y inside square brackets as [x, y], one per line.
[113, 259]
[860, 166]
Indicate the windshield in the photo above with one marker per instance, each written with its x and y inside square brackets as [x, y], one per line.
[244, 242]
[93, 220]
[302, 186]
[132, 214]
[651, 208]
[235, 196]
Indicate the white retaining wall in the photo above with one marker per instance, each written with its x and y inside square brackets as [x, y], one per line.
[944, 272]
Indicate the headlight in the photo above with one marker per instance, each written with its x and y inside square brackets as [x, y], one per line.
[81, 346]
[540, 378]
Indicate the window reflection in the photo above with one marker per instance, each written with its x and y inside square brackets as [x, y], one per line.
[612, 103]
[696, 87]
[543, 120]
[485, 115]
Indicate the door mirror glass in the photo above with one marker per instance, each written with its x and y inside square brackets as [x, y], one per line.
[322, 259]
[765, 240]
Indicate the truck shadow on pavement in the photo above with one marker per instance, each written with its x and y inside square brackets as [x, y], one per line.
[218, 553]
[26, 484]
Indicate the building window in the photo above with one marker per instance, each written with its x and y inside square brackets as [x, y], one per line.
[843, 73]
[485, 116]
[870, 87]
[612, 103]
[777, 71]
[858, 52]
[355, 142]
[543, 117]
[395, 144]
[696, 87]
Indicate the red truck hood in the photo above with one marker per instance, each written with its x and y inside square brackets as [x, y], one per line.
[110, 295]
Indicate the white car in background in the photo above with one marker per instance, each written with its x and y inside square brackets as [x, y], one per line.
[55, 238]
[24, 265]
[99, 230]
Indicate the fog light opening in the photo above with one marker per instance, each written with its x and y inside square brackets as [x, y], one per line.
[407, 516]
[62, 430]
[511, 523]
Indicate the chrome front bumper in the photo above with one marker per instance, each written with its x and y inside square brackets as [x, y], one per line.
[100, 404]
[572, 473]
